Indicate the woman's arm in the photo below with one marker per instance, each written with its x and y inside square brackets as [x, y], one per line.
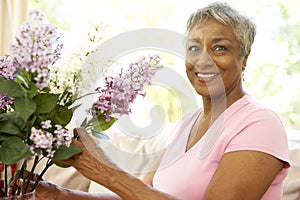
[243, 175]
[46, 190]
[95, 165]
[148, 179]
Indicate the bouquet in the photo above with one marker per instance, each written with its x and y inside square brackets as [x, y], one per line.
[34, 116]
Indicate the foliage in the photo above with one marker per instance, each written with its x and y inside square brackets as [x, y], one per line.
[35, 109]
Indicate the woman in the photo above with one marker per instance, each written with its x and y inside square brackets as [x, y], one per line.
[232, 148]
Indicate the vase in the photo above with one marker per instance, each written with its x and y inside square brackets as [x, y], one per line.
[27, 196]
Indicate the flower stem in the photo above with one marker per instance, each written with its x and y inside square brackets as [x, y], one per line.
[87, 94]
[30, 176]
[5, 180]
[23, 175]
[20, 174]
[49, 163]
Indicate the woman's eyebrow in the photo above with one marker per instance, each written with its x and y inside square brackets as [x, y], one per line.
[213, 40]
[193, 40]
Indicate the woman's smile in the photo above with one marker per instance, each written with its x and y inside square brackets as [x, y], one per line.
[206, 77]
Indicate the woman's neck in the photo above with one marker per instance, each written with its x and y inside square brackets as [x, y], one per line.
[213, 107]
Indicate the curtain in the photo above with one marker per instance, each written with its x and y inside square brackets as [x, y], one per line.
[13, 13]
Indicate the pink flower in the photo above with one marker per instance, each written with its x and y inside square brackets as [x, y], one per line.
[46, 124]
[37, 15]
[63, 136]
[42, 140]
[7, 69]
[119, 92]
[37, 47]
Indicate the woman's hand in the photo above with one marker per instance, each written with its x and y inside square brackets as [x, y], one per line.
[43, 191]
[92, 162]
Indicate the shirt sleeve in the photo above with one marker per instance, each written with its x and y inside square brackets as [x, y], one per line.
[261, 131]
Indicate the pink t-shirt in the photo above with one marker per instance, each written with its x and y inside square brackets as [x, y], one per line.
[245, 125]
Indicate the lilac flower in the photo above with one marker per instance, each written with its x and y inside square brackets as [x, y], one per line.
[44, 141]
[37, 15]
[41, 140]
[7, 69]
[5, 101]
[37, 47]
[63, 136]
[46, 124]
[119, 92]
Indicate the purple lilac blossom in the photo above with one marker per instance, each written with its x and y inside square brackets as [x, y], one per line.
[37, 47]
[46, 124]
[43, 140]
[120, 91]
[7, 69]
[63, 136]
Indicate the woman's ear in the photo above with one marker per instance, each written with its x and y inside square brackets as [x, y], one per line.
[244, 62]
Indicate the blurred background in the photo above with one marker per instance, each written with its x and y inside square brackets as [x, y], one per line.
[273, 70]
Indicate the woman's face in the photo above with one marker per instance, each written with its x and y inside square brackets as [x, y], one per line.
[213, 62]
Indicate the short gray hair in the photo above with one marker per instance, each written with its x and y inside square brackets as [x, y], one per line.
[242, 26]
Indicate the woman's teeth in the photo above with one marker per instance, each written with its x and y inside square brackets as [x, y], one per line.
[206, 75]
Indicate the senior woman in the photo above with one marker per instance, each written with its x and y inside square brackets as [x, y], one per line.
[231, 148]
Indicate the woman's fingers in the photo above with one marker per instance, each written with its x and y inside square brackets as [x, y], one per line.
[44, 189]
[88, 145]
[85, 138]
[16, 185]
[16, 181]
[19, 174]
[92, 154]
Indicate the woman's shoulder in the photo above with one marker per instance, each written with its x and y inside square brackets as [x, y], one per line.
[249, 107]
[254, 126]
[249, 114]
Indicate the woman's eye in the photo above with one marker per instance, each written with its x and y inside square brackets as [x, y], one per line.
[193, 48]
[220, 48]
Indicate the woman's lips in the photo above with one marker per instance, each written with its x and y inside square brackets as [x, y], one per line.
[206, 77]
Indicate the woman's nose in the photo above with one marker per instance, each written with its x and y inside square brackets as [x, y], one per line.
[203, 60]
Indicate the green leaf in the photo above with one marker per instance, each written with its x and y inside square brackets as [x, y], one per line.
[20, 77]
[99, 123]
[32, 90]
[64, 152]
[84, 122]
[12, 124]
[100, 135]
[59, 164]
[60, 115]
[3, 137]
[25, 107]
[46, 102]
[12, 149]
[11, 88]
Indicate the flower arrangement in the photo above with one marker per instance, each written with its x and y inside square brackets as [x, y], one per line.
[34, 117]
